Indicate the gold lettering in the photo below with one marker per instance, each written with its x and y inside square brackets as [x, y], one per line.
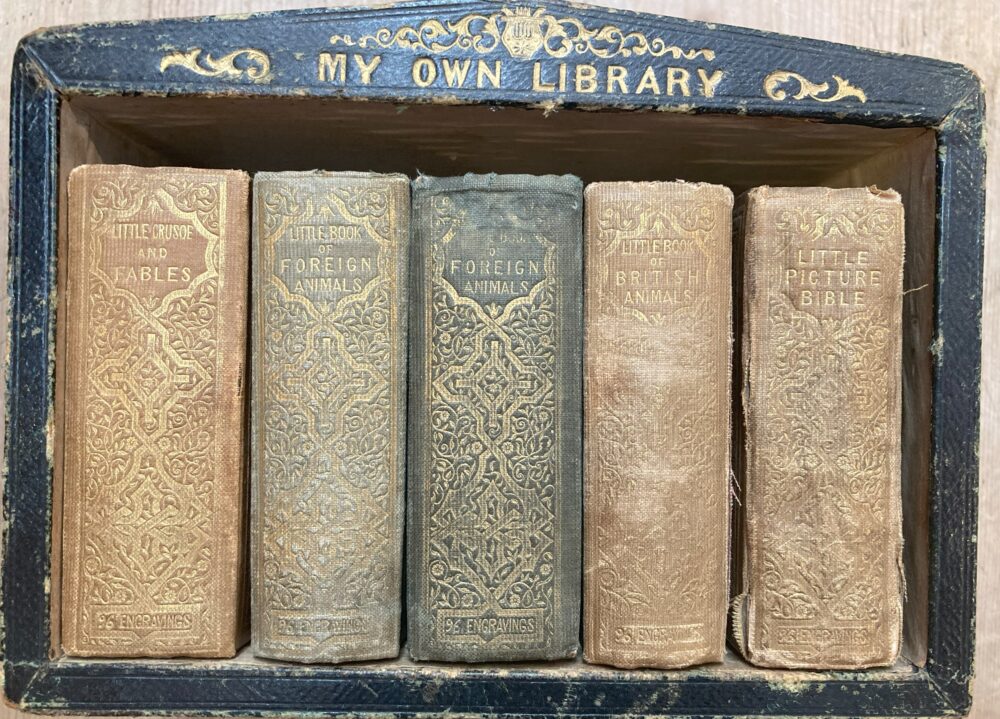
[616, 76]
[709, 82]
[536, 80]
[424, 71]
[648, 82]
[483, 72]
[150, 273]
[152, 253]
[455, 71]
[586, 78]
[332, 68]
[366, 68]
[130, 231]
[678, 76]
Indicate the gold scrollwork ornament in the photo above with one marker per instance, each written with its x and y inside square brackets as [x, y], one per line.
[253, 63]
[522, 32]
[776, 85]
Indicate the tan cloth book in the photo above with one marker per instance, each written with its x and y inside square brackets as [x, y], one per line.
[153, 560]
[329, 398]
[819, 538]
[656, 422]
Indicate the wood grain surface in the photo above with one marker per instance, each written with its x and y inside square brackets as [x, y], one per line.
[964, 31]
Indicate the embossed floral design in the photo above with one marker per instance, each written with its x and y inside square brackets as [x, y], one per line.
[823, 489]
[280, 205]
[490, 534]
[200, 199]
[654, 402]
[192, 316]
[110, 444]
[150, 433]
[327, 483]
[114, 199]
[365, 325]
[369, 205]
[104, 583]
[284, 589]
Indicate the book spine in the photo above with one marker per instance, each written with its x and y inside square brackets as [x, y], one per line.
[656, 428]
[820, 580]
[154, 455]
[494, 485]
[329, 375]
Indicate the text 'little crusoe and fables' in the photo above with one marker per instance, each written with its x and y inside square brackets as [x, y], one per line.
[153, 258]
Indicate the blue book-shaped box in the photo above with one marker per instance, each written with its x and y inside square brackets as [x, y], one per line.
[511, 88]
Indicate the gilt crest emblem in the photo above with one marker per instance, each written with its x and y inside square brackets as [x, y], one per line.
[522, 31]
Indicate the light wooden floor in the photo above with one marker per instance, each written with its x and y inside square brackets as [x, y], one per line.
[961, 30]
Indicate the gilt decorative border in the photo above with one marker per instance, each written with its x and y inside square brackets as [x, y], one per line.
[522, 32]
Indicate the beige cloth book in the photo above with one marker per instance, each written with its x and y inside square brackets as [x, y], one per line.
[329, 395]
[153, 559]
[819, 574]
[656, 422]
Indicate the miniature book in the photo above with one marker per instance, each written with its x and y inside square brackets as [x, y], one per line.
[819, 536]
[657, 348]
[329, 396]
[153, 511]
[494, 484]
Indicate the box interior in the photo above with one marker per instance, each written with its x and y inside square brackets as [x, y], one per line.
[437, 139]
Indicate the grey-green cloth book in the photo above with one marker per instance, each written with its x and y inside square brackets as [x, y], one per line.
[494, 485]
[330, 267]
